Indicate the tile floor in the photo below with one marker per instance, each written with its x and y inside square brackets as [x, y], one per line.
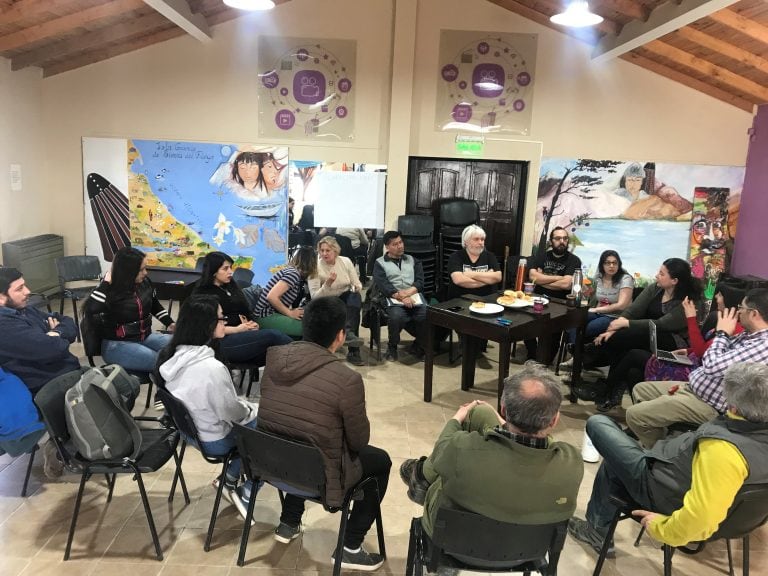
[114, 539]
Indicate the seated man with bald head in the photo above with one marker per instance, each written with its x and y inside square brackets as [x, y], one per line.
[487, 463]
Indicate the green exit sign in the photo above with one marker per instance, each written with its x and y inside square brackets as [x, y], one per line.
[470, 148]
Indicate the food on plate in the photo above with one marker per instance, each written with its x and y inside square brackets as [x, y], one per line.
[510, 294]
[520, 294]
[477, 305]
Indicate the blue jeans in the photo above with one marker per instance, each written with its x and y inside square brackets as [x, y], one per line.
[222, 447]
[135, 356]
[596, 325]
[624, 471]
[412, 319]
[251, 346]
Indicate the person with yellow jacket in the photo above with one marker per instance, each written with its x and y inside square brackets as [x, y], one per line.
[684, 485]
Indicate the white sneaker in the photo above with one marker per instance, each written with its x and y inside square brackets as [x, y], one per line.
[588, 451]
[566, 366]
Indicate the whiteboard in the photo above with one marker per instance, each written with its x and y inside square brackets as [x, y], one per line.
[349, 199]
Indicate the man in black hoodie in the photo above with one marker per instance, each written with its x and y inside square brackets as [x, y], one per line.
[34, 345]
[309, 394]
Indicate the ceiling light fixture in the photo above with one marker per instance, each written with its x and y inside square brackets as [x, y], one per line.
[577, 15]
[250, 4]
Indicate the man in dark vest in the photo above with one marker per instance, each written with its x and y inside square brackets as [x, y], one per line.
[690, 480]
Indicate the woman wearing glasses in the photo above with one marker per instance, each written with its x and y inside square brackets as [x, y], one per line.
[243, 339]
[613, 288]
[191, 372]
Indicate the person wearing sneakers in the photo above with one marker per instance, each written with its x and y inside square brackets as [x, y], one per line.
[189, 370]
[400, 278]
[309, 394]
[683, 486]
[505, 467]
[336, 276]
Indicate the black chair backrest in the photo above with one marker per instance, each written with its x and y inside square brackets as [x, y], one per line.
[243, 277]
[73, 268]
[636, 291]
[199, 264]
[459, 212]
[748, 512]
[346, 246]
[416, 225]
[50, 402]
[280, 460]
[467, 536]
[183, 421]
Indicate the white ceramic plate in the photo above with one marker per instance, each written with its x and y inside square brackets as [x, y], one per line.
[487, 309]
[521, 303]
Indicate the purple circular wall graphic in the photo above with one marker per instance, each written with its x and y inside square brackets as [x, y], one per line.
[345, 85]
[284, 91]
[302, 54]
[341, 111]
[285, 119]
[518, 105]
[270, 80]
[462, 112]
[483, 47]
[463, 85]
[449, 72]
[523, 78]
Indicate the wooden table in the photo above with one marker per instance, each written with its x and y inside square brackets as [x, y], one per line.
[523, 324]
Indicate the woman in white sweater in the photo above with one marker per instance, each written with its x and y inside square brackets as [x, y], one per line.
[336, 276]
[193, 374]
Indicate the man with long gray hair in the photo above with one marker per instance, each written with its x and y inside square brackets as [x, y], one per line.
[487, 463]
[473, 270]
[690, 480]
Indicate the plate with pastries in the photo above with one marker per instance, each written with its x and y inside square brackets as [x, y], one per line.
[485, 308]
[518, 299]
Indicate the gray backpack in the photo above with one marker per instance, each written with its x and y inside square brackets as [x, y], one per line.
[99, 423]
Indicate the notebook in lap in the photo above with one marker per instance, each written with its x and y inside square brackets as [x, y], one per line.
[663, 354]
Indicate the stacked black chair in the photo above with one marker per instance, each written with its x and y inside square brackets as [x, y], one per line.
[77, 269]
[184, 423]
[284, 462]
[469, 541]
[454, 215]
[417, 232]
[158, 446]
[748, 512]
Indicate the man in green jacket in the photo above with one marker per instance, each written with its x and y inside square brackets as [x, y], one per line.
[506, 468]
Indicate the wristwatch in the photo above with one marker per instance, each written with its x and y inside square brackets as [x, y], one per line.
[722, 333]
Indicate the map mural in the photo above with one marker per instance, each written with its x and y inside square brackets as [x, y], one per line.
[646, 211]
[186, 199]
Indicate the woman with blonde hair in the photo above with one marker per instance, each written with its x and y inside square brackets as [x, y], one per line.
[336, 276]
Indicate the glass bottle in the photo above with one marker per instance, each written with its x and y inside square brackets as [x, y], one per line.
[576, 287]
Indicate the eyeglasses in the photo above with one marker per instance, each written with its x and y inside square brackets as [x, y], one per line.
[610, 263]
[222, 319]
[560, 238]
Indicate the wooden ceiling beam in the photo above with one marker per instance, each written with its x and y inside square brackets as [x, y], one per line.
[28, 9]
[683, 58]
[179, 12]
[663, 20]
[587, 35]
[744, 25]
[631, 9]
[103, 54]
[724, 48]
[66, 24]
[693, 83]
[71, 47]
[607, 26]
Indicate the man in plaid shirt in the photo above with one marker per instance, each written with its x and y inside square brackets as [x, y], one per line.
[659, 404]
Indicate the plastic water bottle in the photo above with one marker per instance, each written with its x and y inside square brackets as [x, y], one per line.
[576, 287]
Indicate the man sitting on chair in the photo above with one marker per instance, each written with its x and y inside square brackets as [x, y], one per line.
[690, 480]
[34, 345]
[473, 270]
[400, 278]
[310, 395]
[506, 468]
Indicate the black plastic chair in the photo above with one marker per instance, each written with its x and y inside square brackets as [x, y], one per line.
[285, 462]
[184, 423]
[469, 541]
[748, 512]
[77, 269]
[158, 446]
[417, 233]
[454, 215]
[243, 277]
[39, 301]
[251, 368]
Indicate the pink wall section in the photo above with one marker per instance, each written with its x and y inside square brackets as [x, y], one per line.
[749, 256]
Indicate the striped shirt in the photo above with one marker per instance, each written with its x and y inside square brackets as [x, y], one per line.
[290, 276]
[707, 380]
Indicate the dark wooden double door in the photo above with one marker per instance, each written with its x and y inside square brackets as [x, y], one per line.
[498, 188]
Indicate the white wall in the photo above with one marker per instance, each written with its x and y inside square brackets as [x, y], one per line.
[22, 213]
[182, 89]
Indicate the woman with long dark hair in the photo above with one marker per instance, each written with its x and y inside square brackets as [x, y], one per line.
[278, 305]
[123, 305]
[660, 303]
[191, 372]
[243, 339]
[256, 174]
